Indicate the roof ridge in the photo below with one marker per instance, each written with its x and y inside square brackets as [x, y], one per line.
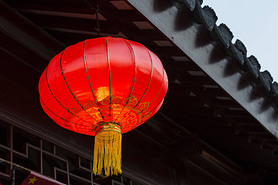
[207, 16]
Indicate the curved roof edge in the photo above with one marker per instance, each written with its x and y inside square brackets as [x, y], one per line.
[238, 74]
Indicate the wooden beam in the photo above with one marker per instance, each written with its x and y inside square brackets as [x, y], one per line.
[17, 27]
[17, 69]
[61, 8]
[17, 51]
[72, 23]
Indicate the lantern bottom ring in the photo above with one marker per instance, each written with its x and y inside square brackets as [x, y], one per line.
[108, 126]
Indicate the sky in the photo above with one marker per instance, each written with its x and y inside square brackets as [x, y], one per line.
[255, 23]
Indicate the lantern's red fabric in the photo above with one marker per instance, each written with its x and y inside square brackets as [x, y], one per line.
[103, 80]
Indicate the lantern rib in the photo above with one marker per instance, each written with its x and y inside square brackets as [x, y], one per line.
[110, 78]
[160, 87]
[61, 59]
[57, 99]
[86, 67]
[59, 116]
[152, 101]
[148, 83]
[150, 77]
[157, 93]
[135, 71]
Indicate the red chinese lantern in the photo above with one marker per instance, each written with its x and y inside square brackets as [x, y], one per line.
[103, 87]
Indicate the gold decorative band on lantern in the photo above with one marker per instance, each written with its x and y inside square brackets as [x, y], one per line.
[107, 149]
[108, 126]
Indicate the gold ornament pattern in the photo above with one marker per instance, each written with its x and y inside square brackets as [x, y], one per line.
[127, 113]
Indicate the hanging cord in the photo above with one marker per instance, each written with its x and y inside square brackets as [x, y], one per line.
[96, 11]
[97, 17]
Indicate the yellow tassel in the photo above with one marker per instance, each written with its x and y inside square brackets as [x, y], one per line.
[107, 151]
